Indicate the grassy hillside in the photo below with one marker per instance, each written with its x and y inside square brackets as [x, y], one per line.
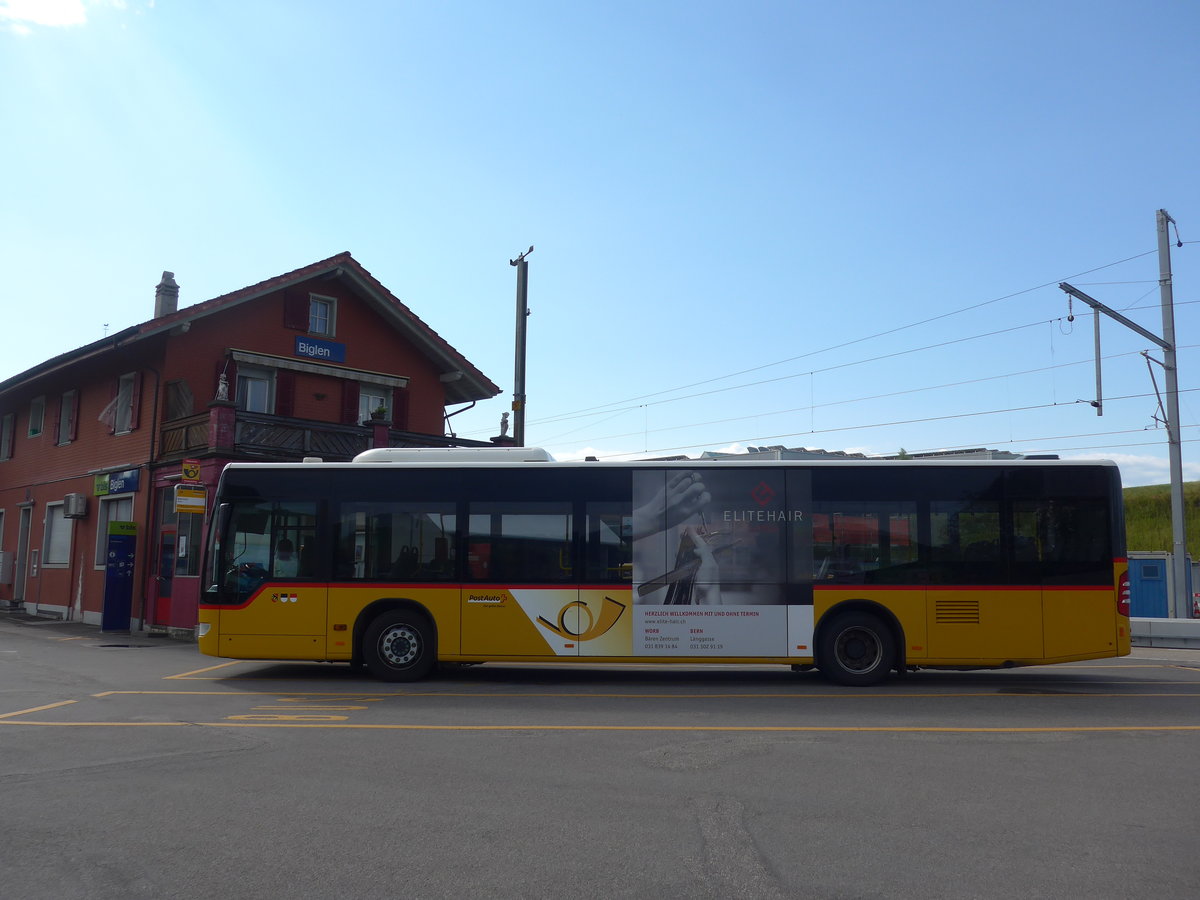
[1148, 517]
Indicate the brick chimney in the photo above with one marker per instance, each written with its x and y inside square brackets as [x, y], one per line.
[166, 296]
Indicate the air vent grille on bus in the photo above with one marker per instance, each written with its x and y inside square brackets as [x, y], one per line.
[956, 612]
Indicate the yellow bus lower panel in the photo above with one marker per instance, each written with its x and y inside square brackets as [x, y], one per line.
[271, 646]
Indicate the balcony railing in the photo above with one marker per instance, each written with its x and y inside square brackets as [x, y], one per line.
[183, 436]
[272, 437]
[267, 437]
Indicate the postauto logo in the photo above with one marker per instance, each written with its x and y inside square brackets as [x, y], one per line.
[610, 612]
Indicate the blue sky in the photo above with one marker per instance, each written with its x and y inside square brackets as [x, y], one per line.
[799, 224]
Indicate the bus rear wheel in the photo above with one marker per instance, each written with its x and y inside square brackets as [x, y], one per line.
[857, 649]
[399, 646]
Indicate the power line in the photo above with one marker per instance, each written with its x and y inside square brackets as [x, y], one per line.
[617, 412]
[845, 365]
[915, 421]
[566, 417]
[604, 407]
[1059, 437]
[848, 401]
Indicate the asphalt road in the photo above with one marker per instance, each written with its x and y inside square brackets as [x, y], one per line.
[137, 768]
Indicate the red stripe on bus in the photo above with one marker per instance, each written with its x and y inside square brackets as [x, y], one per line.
[960, 588]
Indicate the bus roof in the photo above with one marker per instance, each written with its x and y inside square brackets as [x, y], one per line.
[449, 457]
[453, 454]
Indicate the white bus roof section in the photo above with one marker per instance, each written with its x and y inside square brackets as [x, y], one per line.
[453, 455]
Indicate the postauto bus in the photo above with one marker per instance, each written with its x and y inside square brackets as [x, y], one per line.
[405, 558]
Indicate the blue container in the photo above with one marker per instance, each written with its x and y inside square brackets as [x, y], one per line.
[1148, 587]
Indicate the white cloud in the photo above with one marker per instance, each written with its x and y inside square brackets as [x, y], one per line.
[1137, 470]
[20, 14]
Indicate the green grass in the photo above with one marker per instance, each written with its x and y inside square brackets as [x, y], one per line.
[1148, 517]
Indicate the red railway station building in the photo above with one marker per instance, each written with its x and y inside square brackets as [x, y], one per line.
[109, 453]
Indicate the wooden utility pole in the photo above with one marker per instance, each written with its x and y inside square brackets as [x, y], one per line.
[519, 373]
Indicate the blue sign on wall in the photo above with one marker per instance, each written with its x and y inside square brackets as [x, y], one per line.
[126, 482]
[315, 348]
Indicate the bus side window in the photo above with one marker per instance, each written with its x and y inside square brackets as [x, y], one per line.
[293, 536]
[521, 541]
[863, 541]
[966, 545]
[382, 540]
[609, 542]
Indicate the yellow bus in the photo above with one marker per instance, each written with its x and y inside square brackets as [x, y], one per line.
[405, 558]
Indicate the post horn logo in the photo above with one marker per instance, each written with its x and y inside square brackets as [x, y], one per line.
[609, 614]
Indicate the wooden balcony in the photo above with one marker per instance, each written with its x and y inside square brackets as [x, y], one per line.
[258, 436]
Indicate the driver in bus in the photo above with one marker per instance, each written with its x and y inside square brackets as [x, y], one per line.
[287, 565]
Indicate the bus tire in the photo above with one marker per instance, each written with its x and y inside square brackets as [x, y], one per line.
[399, 646]
[856, 649]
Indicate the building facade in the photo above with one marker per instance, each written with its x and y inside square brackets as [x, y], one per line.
[109, 453]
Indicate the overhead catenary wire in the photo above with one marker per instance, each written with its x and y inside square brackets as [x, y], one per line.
[952, 342]
[614, 410]
[605, 407]
[850, 400]
[1025, 442]
[760, 439]
[610, 413]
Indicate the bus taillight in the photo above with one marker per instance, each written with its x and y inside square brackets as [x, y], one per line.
[1123, 594]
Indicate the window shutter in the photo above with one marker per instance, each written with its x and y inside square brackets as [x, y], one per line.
[350, 403]
[400, 408]
[295, 310]
[73, 433]
[58, 420]
[135, 401]
[109, 416]
[285, 393]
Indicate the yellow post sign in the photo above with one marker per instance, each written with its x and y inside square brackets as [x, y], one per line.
[191, 470]
[190, 498]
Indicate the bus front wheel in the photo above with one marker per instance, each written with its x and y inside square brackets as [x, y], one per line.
[399, 646]
[856, 649]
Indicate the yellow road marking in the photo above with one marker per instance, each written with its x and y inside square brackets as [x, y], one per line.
[832, 695]
[38, 709]
[206, 669]
[293, 708]
[793, 729]
[282, 695]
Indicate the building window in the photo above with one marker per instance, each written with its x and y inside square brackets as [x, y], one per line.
[56, 544]
[321, 317]
[37, 415]
[7, 427]
[125, 406]
[68, 413]
[370, 401]
[112, 509]
[254, 392]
